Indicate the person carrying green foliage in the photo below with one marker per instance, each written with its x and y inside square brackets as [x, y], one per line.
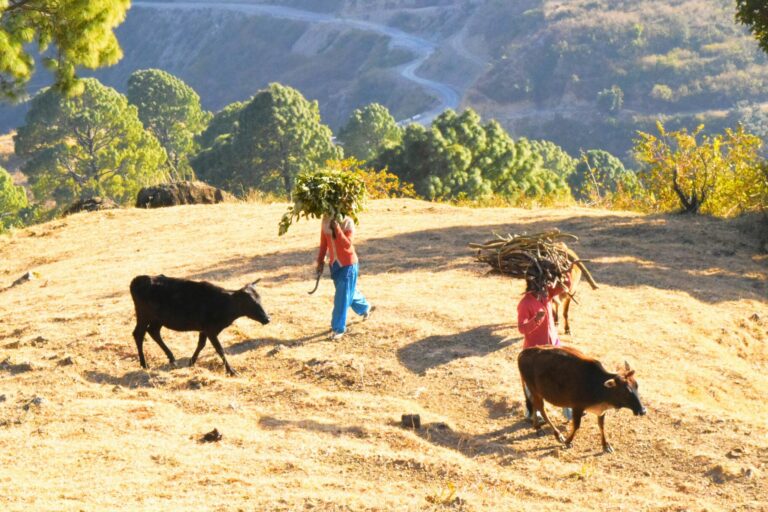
[336, 197]
[336, 242]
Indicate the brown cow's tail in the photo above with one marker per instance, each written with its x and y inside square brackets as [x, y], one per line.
[574, 258]
[587, 275]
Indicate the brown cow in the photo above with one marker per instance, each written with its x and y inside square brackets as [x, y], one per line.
[564, 299]
[565, 377]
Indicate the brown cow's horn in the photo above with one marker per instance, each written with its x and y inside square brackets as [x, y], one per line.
[256, 282]
[626, 366]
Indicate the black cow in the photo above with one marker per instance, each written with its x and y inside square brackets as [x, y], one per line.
[565, 377]
[182, 305]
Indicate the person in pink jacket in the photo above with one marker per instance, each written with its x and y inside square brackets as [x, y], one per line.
[536, 323]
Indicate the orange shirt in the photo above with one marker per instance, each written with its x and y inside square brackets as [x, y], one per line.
[339, 248]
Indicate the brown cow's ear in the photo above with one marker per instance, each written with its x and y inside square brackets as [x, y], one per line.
[629, 374]
[610, 383]
[626, 366]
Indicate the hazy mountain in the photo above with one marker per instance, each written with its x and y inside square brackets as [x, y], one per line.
[585, 73]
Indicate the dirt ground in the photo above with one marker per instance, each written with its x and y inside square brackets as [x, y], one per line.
[311, 424]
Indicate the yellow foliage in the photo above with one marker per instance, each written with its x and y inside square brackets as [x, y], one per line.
[379, 184]
[720, 174]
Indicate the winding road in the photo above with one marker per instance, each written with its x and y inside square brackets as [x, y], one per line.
[446, 95]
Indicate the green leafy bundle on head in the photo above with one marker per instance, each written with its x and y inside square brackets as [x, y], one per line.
[329, 192]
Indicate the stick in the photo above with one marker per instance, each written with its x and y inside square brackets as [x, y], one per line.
[317, 283]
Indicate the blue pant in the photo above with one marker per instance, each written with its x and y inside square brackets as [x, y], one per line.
[345, 280]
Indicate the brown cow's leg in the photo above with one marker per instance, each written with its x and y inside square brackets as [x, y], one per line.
[607, 448]
[154, 331]
[200, 345]
[138, 336]
[577, 413]
[566, 307]
[528, 405]
[538, 404]
[556, 309]
[217, 345]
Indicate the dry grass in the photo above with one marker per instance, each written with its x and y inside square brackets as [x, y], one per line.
[314, 425]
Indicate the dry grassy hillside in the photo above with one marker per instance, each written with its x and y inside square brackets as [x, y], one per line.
[311, 424]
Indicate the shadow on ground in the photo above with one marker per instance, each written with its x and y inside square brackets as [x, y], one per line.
[435, 351]
[270, 423]
[499, 443]
[132, 379]
[711, 259]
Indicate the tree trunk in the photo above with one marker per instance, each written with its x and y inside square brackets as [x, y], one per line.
[690, 205]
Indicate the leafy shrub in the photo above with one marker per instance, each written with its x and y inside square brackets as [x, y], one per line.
[12, 200]
[718, 174]
[378, 184]
[333, 192]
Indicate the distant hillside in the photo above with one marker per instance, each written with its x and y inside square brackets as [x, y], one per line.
[584, 73]
[550, 62]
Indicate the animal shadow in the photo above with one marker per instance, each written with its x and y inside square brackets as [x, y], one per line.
[435, 351]
[496, 443]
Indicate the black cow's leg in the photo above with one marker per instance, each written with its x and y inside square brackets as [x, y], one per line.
[200, 345]
[577, 414]
[154, 331]
[138, 336]
[607, 448]
[538, 403]
[217, 345]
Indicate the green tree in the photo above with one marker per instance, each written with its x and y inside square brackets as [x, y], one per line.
[754, 14]
[81, 31]
[611, 100]
[223, 124]
[368, 131]
[278, 135]
[12, 200]
[170, 110]
[461, 157]
[599, 174]
[719, 174]
[89, 144]
[554, 158]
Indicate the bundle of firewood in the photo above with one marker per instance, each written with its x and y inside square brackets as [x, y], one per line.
[542, 258]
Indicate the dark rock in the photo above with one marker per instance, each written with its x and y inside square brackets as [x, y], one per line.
[37, 402]
[214, 436]
[14, 369]
[3, 398]
[182, 192]
[91, 204]
[410, 421]
[29, 276]
[67, 361]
